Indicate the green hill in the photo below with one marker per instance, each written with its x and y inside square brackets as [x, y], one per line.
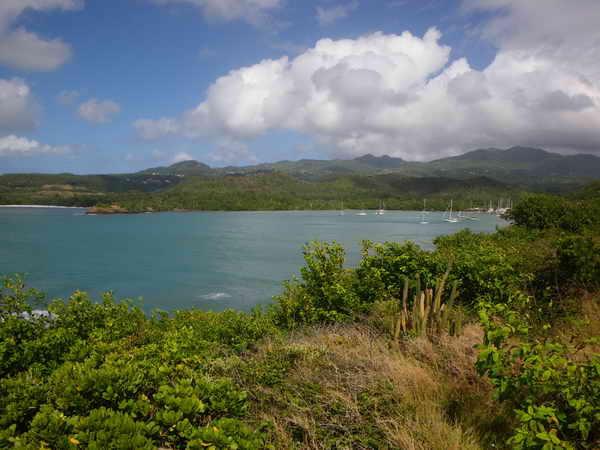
[474, 177]
[278, 191]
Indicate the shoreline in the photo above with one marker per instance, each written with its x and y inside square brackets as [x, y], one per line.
[41, 206]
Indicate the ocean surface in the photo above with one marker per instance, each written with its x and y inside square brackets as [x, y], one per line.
[210, 260]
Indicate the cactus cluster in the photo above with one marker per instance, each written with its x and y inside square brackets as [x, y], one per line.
[430, 314]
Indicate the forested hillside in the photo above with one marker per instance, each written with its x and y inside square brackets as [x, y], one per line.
[282, 192]
[473, 179]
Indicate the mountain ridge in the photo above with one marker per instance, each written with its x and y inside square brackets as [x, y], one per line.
[526, 167]
[515, 164]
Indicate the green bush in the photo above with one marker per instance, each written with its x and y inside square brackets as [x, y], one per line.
[384, 267]
[579, 259]
[21, 327]
[547, 211]
[323, 294]
[554, 389]
[480, 265]
[103, 375]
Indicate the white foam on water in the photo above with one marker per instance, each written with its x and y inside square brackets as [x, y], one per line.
[216, 296]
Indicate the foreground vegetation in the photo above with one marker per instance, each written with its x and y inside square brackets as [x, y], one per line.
[490, 341]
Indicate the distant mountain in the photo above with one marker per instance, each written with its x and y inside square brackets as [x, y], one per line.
[189, 167]
[516, 165]
[532, 168]
[512, 155]
[380, 162]
[522, 165]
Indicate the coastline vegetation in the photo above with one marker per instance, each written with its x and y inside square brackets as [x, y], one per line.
[270, 191]
[489, 341]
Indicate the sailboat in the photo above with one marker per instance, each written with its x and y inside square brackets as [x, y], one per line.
[380, 211]
[423, 221]
[450, 218]
[342, 209]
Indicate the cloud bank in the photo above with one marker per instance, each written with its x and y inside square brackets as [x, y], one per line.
[402, 95]
[18, 109]
[25, 50]
[12, 145]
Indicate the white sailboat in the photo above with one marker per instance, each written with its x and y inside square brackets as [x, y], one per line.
[450, 218]
[342, 208]
[380, 211]
[423, 221]
[362, 213]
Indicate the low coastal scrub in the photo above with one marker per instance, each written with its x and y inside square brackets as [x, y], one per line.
[490, 341]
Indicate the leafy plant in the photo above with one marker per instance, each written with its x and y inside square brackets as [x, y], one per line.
[556, 395]
[323, 294]
[579, 259]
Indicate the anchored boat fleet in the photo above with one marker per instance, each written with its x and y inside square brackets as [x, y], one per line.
[450, 215]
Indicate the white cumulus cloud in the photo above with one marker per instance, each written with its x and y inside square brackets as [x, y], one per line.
[327, 16]
[99, 111]
[18, 110]
[255, 12]
[12, 145]
[23, 49]
[402, 94]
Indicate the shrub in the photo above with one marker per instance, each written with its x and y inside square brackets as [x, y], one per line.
[20, 326]
[323, 294]
[555, 394]
[480, 265]
[579, 259]
[382, 272]
[546, 211]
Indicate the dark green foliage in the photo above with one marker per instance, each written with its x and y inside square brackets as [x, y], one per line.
[323, 294]
[588, 192]
[579, 259]
[384, 268]
[540, 212]
[480, 264]
[252, 191]
[475, 177]
[556, 395]
[103, 375]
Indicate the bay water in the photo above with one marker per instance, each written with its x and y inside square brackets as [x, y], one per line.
[210, 260]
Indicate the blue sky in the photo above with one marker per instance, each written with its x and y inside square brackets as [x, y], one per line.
[96, 86]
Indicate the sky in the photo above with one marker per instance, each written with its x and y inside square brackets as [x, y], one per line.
[110, 86]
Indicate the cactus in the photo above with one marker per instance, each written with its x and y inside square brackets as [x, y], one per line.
[431, 313]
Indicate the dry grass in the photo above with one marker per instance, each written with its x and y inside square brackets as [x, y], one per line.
[350, 387]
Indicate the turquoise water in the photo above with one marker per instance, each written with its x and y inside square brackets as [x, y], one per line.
[212, 260]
